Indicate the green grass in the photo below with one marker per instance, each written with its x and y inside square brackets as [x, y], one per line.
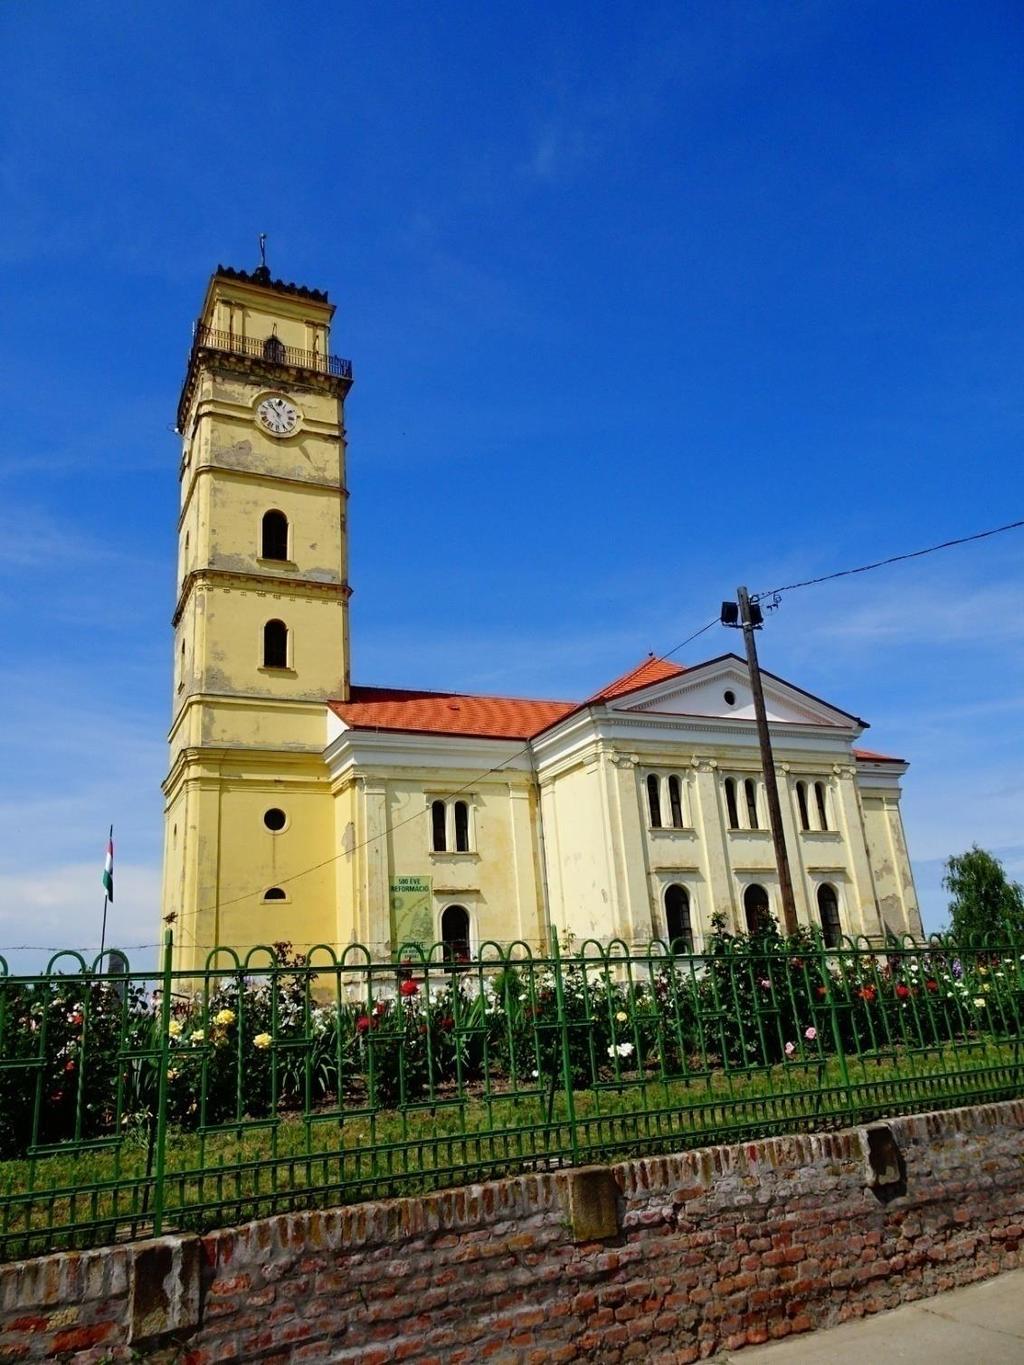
[94, 1195]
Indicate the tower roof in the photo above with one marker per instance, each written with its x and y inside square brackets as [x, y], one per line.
[262, 279]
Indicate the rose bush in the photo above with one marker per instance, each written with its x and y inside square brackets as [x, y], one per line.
[82, 1052]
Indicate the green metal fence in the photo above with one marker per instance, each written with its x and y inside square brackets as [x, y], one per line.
[138, 1103]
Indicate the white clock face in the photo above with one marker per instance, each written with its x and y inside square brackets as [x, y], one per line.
[278, 416]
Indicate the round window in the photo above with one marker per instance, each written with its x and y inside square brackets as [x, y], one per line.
[730, 697]
[274, 819]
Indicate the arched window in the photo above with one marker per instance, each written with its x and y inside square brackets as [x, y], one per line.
[439, 834]
[275, 645]
[828, 912]
[274, 893]
[274, 541]
[675, 801]
[750, 792]
[730, 803]
[801, 801]
[461, 827]
[677, 919]
[755, 907]
[455, 933]
[273, 349]
[819, 796]
[654, 800]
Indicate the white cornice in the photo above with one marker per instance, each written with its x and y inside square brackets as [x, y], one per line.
[643, 730]
[880, 777]
[371, 749]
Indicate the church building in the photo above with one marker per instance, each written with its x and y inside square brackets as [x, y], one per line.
[306, 808]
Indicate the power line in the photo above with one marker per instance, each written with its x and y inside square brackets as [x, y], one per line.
[689, 639]
[893, 559]
[416, 815]
[420, 814]
[50, 948]
[388, 829]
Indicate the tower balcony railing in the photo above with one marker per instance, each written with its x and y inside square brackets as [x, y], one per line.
[271, 349]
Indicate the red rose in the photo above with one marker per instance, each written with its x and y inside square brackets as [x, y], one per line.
[902, 991]
[867, 993]
[931, 984]
[447, 1023]
[363, 1022]
[409, 988]
[821, 992]
[69, 1066]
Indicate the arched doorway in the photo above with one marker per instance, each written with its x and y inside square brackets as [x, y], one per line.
[677, 919]
[828, 913]
[756, 909]
[455, 933]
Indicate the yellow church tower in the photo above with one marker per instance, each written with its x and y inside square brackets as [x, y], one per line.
[261, 618]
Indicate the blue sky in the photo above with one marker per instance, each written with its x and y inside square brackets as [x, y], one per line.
[642, 305]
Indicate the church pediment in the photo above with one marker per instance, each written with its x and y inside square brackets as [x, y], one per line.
[721, 689]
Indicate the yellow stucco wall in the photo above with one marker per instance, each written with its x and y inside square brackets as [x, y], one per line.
[245, 737]
[567, 843]
[384, 819]
[612, 867]
[890, 864]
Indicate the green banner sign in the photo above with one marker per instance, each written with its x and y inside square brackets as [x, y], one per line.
[412, 911]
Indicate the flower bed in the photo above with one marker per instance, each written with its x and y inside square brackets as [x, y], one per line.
[82, 1053]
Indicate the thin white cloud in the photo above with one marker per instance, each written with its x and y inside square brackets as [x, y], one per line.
[923, 614]
[46, 909]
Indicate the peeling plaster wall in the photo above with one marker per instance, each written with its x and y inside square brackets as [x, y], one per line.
[246, 737]
[890, 864]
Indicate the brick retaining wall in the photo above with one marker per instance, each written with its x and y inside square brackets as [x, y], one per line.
[662, 1259]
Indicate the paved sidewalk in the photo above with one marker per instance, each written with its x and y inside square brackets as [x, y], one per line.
[982, 1323]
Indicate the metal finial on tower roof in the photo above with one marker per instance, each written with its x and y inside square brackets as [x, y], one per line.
[263, 250]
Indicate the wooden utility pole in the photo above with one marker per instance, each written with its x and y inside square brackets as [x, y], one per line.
[768, 764]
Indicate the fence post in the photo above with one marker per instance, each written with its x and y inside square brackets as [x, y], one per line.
[837, 1032]
[163, 1062]
[563, 1034]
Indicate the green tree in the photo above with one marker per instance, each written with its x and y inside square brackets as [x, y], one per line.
[982, 898]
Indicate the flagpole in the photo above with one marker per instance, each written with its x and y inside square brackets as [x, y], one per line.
[107, 887]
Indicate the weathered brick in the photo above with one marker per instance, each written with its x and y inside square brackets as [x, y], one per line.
[80, 1338]
[749, 1254]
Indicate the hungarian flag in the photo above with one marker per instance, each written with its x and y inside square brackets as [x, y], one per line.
[108, 868]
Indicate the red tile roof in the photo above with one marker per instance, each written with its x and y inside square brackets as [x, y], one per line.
[652, 670]
[869, 756]
[447, 713]
[457, 713]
